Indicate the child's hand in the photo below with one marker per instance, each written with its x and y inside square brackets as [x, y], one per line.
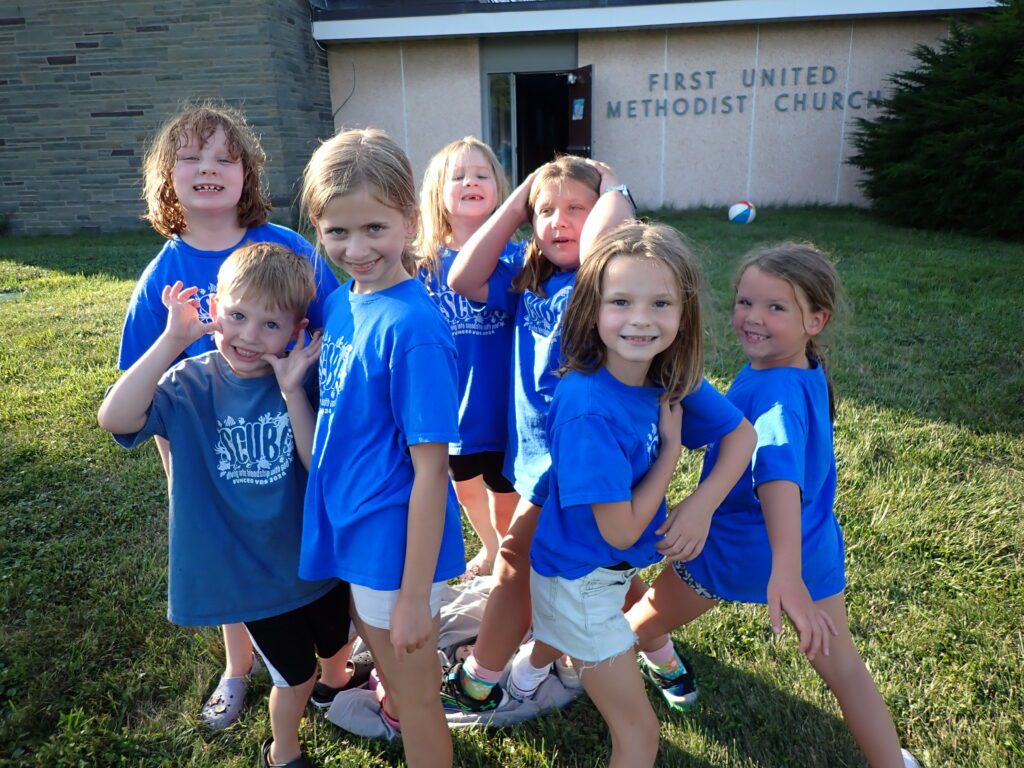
[519, 200]
[670, 427]
[609, 178]
[787, 592]
[291, 369]
[183, 323]
[411, 625]
[685, 531]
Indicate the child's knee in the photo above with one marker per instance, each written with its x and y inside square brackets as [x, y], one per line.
[639, 738]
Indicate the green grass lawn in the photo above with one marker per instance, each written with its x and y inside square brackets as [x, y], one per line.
[930, 444]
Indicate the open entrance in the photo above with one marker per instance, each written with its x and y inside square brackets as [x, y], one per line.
[535, 116]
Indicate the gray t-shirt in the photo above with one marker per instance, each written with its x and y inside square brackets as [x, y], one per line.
[236, 494]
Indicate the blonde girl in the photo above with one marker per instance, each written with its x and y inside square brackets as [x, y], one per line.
[462, 186]
[202, 185]
[557, 200]
[380, 511]
[775, 538]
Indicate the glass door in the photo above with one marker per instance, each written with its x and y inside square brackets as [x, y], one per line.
[502, 136]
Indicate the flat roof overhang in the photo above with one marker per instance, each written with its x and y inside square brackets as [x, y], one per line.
[373, 21]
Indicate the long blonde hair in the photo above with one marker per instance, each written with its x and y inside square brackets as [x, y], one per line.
[361, 159]
[808, 269]
[536, 268]
[435, 228]
[678, 369]
[200, 121]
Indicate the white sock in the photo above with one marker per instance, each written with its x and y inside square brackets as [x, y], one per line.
[524, 679]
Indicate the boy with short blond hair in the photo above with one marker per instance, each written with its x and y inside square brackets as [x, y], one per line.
[235, 417]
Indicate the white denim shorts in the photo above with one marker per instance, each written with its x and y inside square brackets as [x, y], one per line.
[375, 606]
[583, 617]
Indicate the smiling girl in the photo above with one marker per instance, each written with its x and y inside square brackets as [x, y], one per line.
[462, 186]
[380, 511]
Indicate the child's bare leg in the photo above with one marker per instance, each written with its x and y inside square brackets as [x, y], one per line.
[617, 690]
[237, 650]
[667, 605]
[334, 671]
[863, 707]
[163, 447]
[503, 508]
[411, 682]
[286, 708]
[472, 495]
[507, 615]
[543, 654]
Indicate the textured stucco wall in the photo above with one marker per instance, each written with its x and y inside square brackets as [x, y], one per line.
[693, 116]
[423, 93]
[730, 128]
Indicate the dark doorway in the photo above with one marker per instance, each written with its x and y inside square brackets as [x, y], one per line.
[542, 120]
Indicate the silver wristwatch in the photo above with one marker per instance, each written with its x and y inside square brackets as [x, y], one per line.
[625, 192]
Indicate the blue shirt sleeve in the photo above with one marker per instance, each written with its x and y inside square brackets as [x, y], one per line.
[143, 323]
[424, 394]
[156, 418]
[781, 443]
[589, 463]
[707, 416]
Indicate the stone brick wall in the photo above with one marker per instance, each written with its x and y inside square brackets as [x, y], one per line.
[84, 84]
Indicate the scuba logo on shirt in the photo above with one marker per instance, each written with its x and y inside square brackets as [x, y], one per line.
[334, 365]
[463, 318]
[653, 443]
[203, 297]
[544, 316]
[255, 452]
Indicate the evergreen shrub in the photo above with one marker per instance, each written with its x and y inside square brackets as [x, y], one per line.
[948, 150]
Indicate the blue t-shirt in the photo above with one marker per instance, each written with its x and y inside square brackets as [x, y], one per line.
[177, 260]
[537, 353]
[483, 340]
[789, 409]
[388, 380]
[604, 438]
[236, 492]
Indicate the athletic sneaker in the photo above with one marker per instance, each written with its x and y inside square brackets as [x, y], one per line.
[361, 665]
[455, 699]
[680, 691]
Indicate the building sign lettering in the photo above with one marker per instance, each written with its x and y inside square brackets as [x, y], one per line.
[790, 90]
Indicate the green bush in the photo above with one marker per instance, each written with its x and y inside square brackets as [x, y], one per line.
[948, 150]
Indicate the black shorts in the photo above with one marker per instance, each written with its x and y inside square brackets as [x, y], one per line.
[486, 463]
[289, 643]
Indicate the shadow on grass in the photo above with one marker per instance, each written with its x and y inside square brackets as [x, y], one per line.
[122, 256]
[740, 718]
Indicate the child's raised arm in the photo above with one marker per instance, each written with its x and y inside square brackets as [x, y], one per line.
[780, 502]
[622, 522]
[411, 622]
[475, 263]
[608, 212]
[290, 371]
[124, 409]
[686, 528]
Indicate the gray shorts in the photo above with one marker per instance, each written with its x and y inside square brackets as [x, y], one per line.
[583, 617]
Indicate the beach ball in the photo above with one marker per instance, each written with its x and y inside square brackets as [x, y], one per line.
[742, 212]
